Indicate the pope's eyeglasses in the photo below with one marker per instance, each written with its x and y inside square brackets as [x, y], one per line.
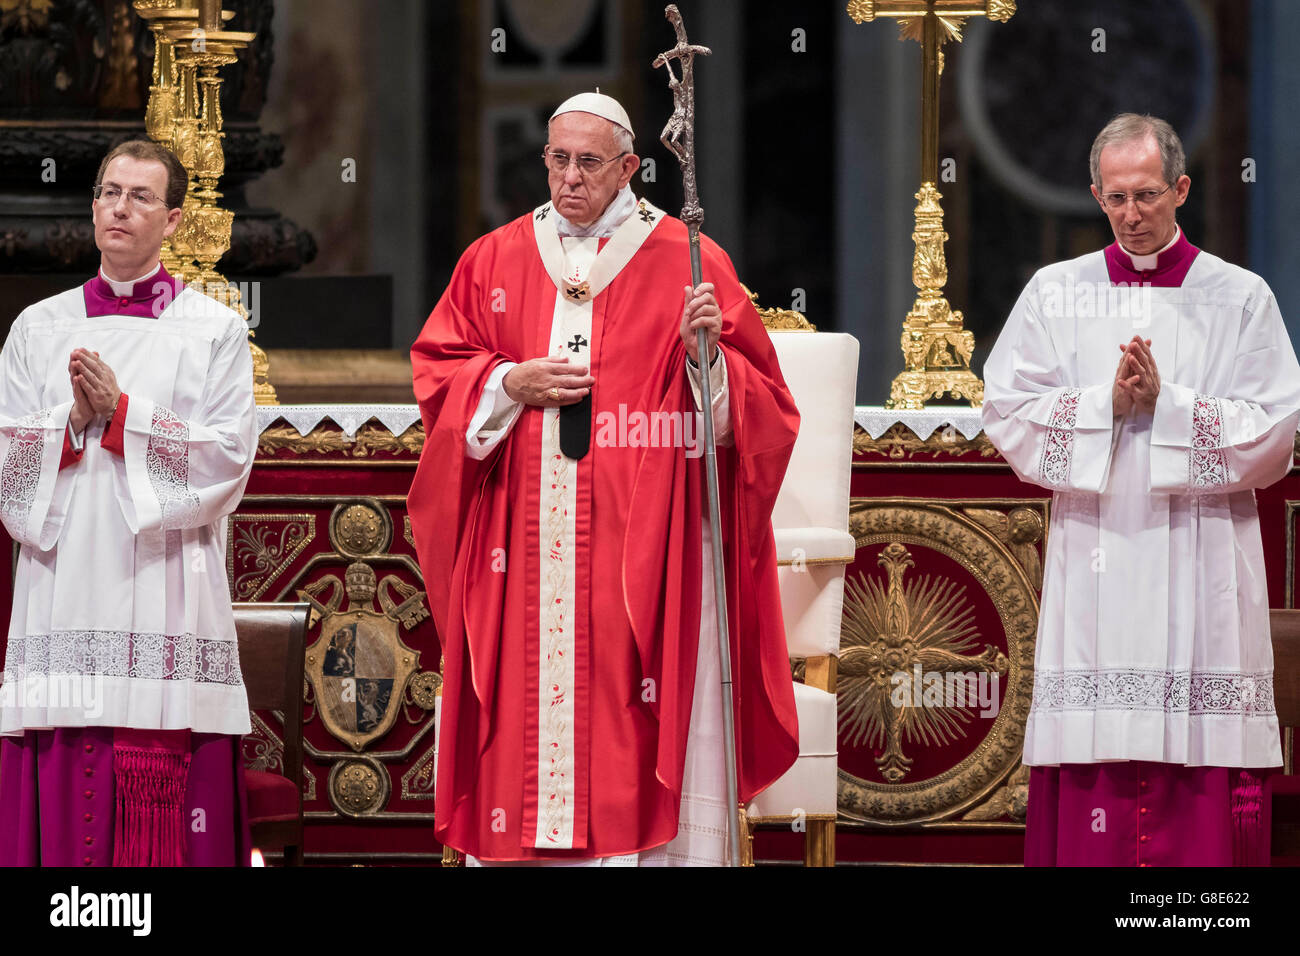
[557, 161]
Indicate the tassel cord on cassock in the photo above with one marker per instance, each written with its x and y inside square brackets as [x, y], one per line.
[150, 826]
[1249, 842]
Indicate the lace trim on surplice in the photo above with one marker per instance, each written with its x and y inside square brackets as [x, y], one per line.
[183, 657]
[1171, 692]
[1058, 446]
[21, 473]
[167, 461]
[1207, 464]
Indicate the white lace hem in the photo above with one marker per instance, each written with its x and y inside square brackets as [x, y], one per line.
[184, 657]
[1150, 689]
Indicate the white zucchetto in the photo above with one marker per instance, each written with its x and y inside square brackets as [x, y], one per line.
[598, 104]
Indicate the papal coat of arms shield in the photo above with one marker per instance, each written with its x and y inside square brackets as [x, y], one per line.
[359, 666]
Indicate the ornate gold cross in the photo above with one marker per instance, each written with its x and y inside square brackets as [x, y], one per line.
[936, 348]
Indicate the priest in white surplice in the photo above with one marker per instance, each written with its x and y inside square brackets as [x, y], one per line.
[127, 433]
[1152, 387]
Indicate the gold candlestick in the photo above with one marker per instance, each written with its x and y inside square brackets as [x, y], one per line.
[197, 48]
[936, 347]
[160, 114]
[171, 115]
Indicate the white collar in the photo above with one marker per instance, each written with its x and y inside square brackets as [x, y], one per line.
[607, 264]
[1148, 262]
[126, 288]
[619, 208]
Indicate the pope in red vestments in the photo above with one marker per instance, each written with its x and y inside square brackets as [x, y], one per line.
[567, 586]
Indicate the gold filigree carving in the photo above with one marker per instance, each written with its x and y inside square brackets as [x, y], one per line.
[925, 523]
[258, 553]
[901, 442]
[417, 782]
[780, 320]
[1001, 10]
[1021, 531]
[1010, 800]
[862, 11]
[262, 747]
[325, 440]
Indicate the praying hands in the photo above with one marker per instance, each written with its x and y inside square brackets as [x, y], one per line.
[1137, 382]
[94, 388]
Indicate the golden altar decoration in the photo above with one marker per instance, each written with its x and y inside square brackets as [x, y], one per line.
[184, 114]
[937, 348]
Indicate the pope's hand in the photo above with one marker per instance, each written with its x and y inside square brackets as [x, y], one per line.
[700, 311]
[548, 381]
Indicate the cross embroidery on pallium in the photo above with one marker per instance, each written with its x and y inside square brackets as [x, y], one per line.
[646, 214]
[542, 213]
[577, 343]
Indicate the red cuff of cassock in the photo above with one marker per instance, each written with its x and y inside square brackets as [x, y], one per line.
[111, 440]
[70, 455]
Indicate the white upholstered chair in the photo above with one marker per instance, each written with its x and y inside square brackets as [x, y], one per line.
[813, 544]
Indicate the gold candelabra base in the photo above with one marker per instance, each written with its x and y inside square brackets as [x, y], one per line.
[911, 390]
[936, 347]
[263, 391]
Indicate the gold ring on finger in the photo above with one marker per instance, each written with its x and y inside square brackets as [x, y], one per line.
[555, 393]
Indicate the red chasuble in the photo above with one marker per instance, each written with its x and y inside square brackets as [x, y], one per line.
[564, 727]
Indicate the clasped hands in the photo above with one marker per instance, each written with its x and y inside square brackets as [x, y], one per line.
[94, 388]
[551, 381]
[1137, 382]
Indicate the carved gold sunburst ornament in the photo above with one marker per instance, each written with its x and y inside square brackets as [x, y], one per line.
[895, 639]
[987, 547]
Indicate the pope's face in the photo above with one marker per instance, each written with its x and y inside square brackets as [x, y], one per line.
[577, 196]
[128, 233]
[1131, 168]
